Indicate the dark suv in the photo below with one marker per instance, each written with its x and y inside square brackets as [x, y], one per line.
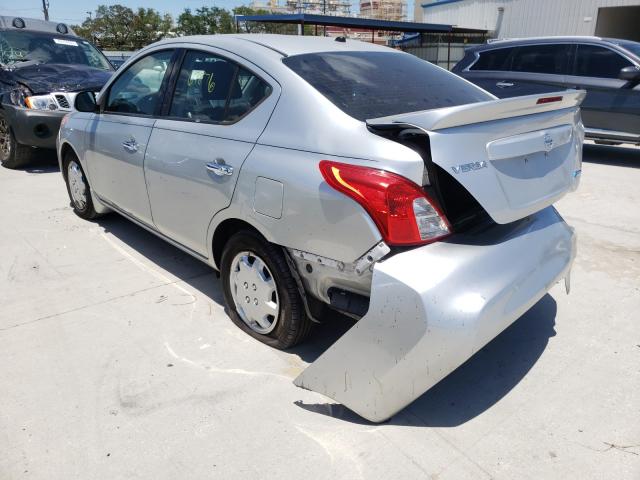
[42, 66]
[608, 69]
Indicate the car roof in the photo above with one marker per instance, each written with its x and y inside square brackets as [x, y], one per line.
[287, 45]
[33, 25]
[514, 42]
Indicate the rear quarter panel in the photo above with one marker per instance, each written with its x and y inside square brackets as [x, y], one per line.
[314, 218]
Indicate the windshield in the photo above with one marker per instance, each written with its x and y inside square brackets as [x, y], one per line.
[633, 47]
[23, 46]
[377, 84]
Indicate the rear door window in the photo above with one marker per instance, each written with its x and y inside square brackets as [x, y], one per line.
[599, 62]
[550, 59]
[494, 60]
[376, 84]
[213, 89]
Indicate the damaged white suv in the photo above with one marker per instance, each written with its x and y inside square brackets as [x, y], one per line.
[313, 172]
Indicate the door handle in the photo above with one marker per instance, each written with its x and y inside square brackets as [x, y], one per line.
[220, 168]
[130, 145]
[504, 84]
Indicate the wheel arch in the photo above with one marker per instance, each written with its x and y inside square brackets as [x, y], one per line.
[223, 230]
[65, 148]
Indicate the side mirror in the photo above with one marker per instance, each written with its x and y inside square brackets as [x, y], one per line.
[86, 102]
[630, 74]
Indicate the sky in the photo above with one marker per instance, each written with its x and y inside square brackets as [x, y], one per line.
[75, 11]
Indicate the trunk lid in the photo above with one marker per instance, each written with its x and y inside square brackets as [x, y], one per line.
[515, 156]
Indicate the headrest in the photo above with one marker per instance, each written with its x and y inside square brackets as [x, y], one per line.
[217, 79]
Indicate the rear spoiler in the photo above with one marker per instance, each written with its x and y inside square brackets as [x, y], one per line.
[448, 117]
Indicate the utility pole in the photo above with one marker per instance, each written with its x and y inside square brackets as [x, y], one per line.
[45, 9]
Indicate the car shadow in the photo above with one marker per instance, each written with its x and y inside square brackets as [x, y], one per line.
[43, 161]
[619, 156]
[470, 390]
[185, 267]
[477, 384]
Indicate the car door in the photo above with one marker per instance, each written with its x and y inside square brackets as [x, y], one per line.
[119, 134]
[218, 110]
[490, 70]
[610, 104]
[522, 70]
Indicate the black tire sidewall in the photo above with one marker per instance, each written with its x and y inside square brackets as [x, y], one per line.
[88, 212]
[11, 161]
[291, 315]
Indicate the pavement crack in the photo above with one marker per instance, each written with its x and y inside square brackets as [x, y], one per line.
[622, 448]
[101, 302]
[601, 225]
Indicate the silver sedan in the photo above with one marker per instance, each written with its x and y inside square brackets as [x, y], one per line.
[315, 173]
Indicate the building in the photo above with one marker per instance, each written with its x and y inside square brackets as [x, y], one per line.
[317, 7]
[527, 18]
[395, 10]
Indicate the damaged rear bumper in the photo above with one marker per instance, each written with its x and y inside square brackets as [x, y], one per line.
[433, 307]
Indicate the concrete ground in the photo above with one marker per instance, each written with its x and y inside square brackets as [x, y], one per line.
[118, 362]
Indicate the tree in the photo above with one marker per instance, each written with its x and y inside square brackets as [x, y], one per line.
[267, 27]
[116, 27]
[149, 26]
[205, 21]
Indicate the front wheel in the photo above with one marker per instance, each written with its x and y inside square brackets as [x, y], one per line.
[12, 154]
[78, 188]
[260, 293]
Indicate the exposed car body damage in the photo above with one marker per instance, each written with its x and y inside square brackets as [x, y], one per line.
[46, 78]
[43, 66]
[430, 219]
[432, 308]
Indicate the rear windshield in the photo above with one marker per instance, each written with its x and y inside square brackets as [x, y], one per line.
[376, 84]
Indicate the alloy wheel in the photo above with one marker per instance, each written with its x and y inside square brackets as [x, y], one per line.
[5, 140]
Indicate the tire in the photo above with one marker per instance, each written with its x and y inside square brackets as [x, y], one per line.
[290, 325]
[12, 154]
[78, 187]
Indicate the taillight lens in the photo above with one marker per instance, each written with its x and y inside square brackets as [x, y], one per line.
[401, 209]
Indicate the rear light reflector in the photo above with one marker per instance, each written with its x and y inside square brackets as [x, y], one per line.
[402, 211]
[548, 100]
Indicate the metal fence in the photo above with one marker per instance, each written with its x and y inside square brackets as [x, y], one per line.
[443, 50]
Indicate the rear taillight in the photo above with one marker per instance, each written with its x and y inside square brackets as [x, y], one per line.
[401, 209]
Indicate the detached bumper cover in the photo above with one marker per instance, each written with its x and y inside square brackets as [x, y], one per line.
[433, 307]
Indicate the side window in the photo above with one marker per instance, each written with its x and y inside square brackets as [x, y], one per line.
[594, 61]
[551, 59]
[494, 60]
[137, 89]
[252, 91]
[215, 90]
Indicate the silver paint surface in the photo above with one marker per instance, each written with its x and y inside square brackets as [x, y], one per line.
[431, 307]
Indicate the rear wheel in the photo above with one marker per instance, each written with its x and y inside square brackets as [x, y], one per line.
[78, 188]
[260, 293]
[12, 153]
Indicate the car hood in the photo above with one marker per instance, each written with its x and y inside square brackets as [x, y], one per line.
[46, 78]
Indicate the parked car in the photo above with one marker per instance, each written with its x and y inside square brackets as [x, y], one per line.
[42, 66]
[314, 173]
[117, 60]
[608, 69]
